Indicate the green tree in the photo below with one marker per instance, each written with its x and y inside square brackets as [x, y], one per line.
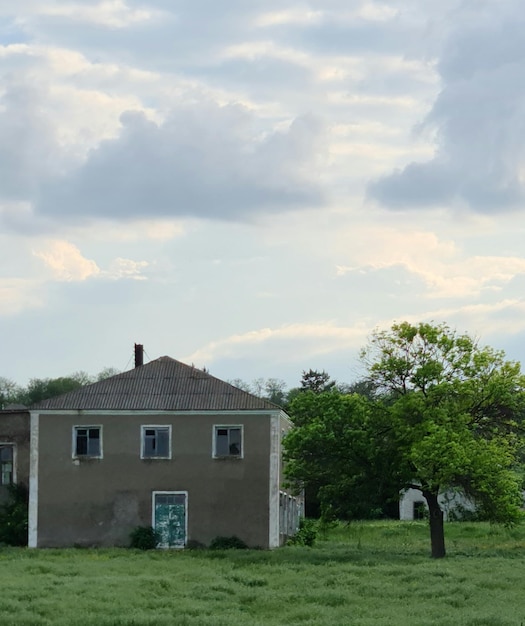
[106, 372]
[273, 389]
[337, 453]
[10, 393]
[454, 410]
[316, 381]
[40, 389]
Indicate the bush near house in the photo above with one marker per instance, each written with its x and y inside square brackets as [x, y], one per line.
[13, 517]
[307, 533]
[144, 538]
[228, 543]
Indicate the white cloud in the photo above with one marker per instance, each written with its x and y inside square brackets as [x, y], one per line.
[126, 268]
[307, 339]
[66, 261]
[290, 16]
[108, 13]
[443, 267]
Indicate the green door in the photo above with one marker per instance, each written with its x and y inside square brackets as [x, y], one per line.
[170, 518]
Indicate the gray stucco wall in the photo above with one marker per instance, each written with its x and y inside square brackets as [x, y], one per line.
[99, 501]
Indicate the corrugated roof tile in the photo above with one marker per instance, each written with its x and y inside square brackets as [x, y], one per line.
[164, 384]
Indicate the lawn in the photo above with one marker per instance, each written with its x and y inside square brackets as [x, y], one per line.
[364, 574]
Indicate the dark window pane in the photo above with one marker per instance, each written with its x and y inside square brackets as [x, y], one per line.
[149, 443]
[228, 442]
[235, 441]
[163, 442]
[221, 442]
[87, 442]
[82, 445]
[6, 465]
[6, 453]
[156, 442]
[94, 445]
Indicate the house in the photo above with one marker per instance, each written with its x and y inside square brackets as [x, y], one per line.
[164, 444]
[413, 506]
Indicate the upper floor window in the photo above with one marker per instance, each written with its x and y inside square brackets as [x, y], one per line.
[228, 441]
[6, 464]
[156, 442]
[87, 441]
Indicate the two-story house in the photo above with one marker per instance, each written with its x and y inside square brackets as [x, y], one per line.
[164, 444]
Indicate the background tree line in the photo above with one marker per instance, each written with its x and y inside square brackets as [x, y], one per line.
[38, 389]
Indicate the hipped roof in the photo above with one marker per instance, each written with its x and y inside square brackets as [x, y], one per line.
[164, 385]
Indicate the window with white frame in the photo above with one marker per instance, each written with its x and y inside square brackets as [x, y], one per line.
[228, 441]
[87, 441]
[155, 442]
[6, 464]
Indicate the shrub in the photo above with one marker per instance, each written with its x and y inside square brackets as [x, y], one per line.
[306, 535]
[228, 543]
[144, 538]
[13, 516]
[193, 544]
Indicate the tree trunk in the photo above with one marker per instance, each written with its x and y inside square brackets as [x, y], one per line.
[437, 530]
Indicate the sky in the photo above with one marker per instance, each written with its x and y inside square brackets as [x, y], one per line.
[256, 186]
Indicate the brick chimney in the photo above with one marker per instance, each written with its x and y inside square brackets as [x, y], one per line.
[139, 354]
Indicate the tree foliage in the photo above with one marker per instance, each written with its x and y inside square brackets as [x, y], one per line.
[316, 381]
[272, 389]
[455, 409]
[10, 392]
[445, 414]
[39, 389]
[336, 452]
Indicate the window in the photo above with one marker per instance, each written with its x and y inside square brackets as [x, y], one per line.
[6, 464]
[156, 442]
[420, 510]
[227, 442]
[87, 441]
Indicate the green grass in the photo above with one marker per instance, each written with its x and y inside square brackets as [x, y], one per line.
[365, 574]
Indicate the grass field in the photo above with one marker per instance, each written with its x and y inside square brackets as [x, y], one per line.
[373, 574]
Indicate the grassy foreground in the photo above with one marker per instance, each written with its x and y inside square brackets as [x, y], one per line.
[365, 574]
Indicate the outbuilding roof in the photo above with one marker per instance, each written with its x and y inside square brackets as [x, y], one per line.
[164, 384]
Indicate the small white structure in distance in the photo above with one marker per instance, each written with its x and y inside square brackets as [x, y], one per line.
[413, 506]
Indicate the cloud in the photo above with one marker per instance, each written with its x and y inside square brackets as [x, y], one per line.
[306, 339]
[478, 119]
[108, 13]
[66, 261]
[28, 150]
[126, 268]
[67, 264]
[204, 160]
[436, 267]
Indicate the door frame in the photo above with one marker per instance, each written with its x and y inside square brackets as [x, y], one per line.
[171, 493]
